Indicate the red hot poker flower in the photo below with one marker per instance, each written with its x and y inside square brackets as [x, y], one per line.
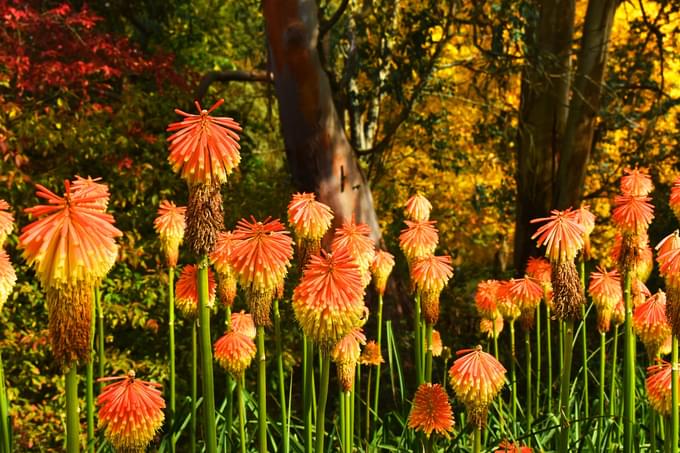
[170, 226]
[130, 412]
[346, 354]
[418, 208]
[636, 182]
[538, 268]
[186, 290]
[431, 410]
[381, 267]
[204, 148]
[527, 294]
[561, 234]
[430, 275]
[310, 219]
[418, 239]
[242, 322]
[356, 238]
[658, 383]
[235, 351]
[605, 289]
[675, 198]
[8, 277]
[650, 323]
[486, 298]
[6, 221]
[226, 282]
[633, 214]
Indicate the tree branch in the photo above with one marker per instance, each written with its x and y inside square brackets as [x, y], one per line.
[256, 75]
[326, 26]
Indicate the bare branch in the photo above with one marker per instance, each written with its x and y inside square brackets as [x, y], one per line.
[256, 75]
[326, 26]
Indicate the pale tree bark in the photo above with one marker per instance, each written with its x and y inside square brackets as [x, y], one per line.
[542, 117]
[319, 155]
[585, 102]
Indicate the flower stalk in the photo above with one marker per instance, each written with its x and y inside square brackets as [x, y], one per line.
[171, 339]
[628, 369]
[206, 359]
[568, 340]
[89, 391]
[321, 404]
[675, 398]
[194, 387]
[72, 418]
[282, 386]
[261, 391]
[4, 413]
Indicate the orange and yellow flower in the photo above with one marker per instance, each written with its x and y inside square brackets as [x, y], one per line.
[418, 208]
[381, 268]
[539, 268]
[633, 214]
[526, 293]
[356, 238]
[675, 198]
[8, 277]
[243, 323]
[430, 275]
[437, 345]
[170, 226]
[186, 290]
[6, 221]
[346, 354]
[477, 378]
[226, 277]
[418, 239]
[94, 187]
[658, 385]
[431, 411]
[650, 323]
[605, 290]
[492, 328]
[562, 235]
[204, 148]
[371, 355]
[636, 182]
[235, 351]
[486, 298]
[130, 412]
[328, 302]
[310, 219]
[261, 257]
[506, 305]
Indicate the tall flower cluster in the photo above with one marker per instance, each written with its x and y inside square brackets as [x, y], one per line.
[6, 221]
[418, 208]
[261, 256]
[563, 237]
[675, 197]
[486, 301]
[430, 275]
[418, 240]
[130, 412]
[71, 246]
[477, 378]
[431, 411]
[234, 351]
[226, 276]
[204, 150]
[605, 290]
[356, 238]
[310, 220]
[651, 325]
[346, 354]
[658, 385]
[526, 293]
[170, 225]
[328, 302]
[381, 268]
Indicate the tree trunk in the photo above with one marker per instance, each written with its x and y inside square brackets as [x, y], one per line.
[319, 155]
[585, 102]
[542, 118]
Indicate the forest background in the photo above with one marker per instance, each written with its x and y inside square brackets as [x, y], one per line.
[496, 111]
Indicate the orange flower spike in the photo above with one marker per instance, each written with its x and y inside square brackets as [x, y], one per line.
[346, 354]
[226, 281]
[371, 354]
[381, 268]
[650, 323]
[492, 328]
[6, 221]
[261, 256]
[8, 277]
[418, 208]
[418, 239]
[675, 198]
[204, 148]
[328, 302]
[636, 182]
[430, 275]
[243, 323]
[486, 298]
[539, 268]
[633, 214]
[437, 345]
[72, 241]
[186, 290]
[587, 221]
[431, 411]
[356, 237]
[94, 187]
[170, 225]
[619, 313]
[561, 234]
[130, 412]
[605, 290]
[658, 385]
[506, 304]
[526, 293]
[234, 352]
[477, 378]
[310, 219]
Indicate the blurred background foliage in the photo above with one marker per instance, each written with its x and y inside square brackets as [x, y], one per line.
[88, 89]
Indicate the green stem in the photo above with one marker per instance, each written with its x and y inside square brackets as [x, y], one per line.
[538, 361]
[368, 406]
[229, 418]
[513, 377]
[242, 415]
[282, 385]
[356, 402]
[628, 370]
[529, 395]
[72, 418]
[376, 397]
[584, 340]
[208, 387]
[428, 354]
[194, 386]
[564, 386]
[308, 366]
[4, 413]
[344, 445]
[603, 366]
[612, 386]
[89, 380]
[548, 328]
[478, 441]
[417, 337]
[100, 332]
[675, 397]
[321, 405]
[651, 414]
[261, 391]
[171, 334]
[350, 414]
